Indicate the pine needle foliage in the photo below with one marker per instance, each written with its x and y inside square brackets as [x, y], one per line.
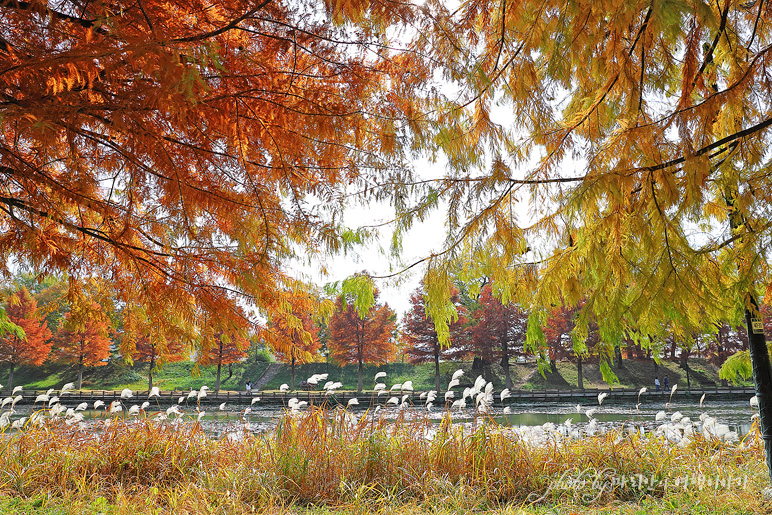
[596, 152]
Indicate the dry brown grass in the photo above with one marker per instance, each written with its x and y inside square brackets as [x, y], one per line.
[325, 460]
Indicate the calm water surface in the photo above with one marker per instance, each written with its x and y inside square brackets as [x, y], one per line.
[611, 415]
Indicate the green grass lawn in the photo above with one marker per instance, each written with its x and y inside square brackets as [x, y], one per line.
[185, 375]
[635, 374]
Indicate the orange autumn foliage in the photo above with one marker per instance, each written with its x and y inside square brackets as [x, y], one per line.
[362, 339]
[89, 346]
[292, 335]
[222, 350]
[83, 336]
[225, 352]
[149, 351]
[154, 346]
[185, 150]
[35, 346]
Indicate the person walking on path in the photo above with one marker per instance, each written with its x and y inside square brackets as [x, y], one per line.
[656, 383]
[249, 386]
[665, 383]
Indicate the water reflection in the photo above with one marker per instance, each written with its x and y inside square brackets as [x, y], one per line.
[735, 414]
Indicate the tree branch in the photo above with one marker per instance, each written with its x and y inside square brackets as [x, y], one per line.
[232, 25]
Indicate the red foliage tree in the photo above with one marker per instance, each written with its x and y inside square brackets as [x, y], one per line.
[420, 335]
[499, 331]
[34, 347]
[157, 351]
[557, 332]
[83, 341]
[222, 350]
[367, 339]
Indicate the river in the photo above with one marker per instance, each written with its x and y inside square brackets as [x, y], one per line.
[612, 415]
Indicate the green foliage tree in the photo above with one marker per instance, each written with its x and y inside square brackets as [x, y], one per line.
[639, 146]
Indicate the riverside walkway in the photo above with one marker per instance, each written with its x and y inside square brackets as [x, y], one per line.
[369, 398]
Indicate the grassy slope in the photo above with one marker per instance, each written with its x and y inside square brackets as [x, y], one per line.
[184, 376]
[116, 376]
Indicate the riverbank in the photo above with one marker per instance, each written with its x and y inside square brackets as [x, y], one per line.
[370, 398]
[184, 376]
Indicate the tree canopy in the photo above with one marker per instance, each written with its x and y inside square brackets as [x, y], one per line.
[361, 338]
[498, 333]
[222, 350]
[420, 334]
[26, 339]
[185, 150]
[84, 343]
[611, 152]
[292, 334]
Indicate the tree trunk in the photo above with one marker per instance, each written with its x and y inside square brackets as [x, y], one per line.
[360, 351]
[437, 366]
[292, 373]
[762, 378]
[10, 378]
[579, 373]
[80, 361]
[507, 374]
[505, 364]
[219, 367]
[230, 372]
[757, 348]
[359, 381]
[553, 366]
[150, 372]
[684, 364]
[80, 373]
[618, 357]
[217, 382]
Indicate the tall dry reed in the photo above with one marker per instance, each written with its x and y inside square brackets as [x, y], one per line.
[330, 458]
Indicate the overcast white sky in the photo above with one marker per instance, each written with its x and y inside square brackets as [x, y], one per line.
[420, 242]
[422, 239]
